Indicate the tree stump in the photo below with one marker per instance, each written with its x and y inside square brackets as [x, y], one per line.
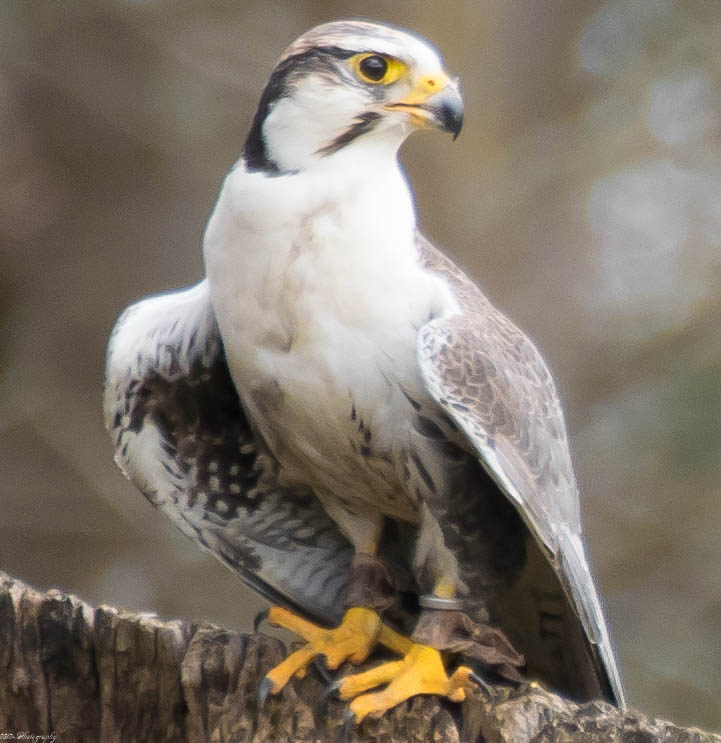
[72, 673]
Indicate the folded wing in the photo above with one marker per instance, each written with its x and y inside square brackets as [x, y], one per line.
[182, 437]
[491, 380]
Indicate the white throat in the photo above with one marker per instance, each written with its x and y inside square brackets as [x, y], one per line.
[289, 256]
[351, 207]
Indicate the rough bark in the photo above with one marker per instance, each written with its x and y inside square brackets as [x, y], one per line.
[77, 674]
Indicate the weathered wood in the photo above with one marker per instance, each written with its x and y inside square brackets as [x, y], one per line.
[86, 675]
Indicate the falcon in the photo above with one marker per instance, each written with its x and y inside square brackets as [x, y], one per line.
[339, 414]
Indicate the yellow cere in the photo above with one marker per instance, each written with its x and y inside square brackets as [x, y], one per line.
[394, 68]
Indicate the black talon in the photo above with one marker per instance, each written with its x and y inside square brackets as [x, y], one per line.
[481, 684]
[321, 663]
[266, 686]
[331, 691]
[260, 617]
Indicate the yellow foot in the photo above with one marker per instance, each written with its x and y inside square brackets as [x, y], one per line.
[421, 671]
[352, 640]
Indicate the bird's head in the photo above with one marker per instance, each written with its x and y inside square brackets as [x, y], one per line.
[349, 82]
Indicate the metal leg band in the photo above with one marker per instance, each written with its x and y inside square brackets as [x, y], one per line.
[429, 601]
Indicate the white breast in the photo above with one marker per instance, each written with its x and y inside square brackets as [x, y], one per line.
[319, 296]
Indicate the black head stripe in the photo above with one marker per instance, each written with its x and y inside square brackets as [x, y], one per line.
[361, 125]
[280, 84]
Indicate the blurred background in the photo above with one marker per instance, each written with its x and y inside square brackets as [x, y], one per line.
[584, 194]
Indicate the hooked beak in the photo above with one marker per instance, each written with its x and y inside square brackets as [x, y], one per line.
[435, 100]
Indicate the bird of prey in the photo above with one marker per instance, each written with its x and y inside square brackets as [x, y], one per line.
[340, 415]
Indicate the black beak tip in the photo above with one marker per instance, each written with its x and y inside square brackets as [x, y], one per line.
[451, 120]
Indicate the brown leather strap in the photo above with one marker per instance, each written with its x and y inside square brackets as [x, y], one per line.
[370, 584]
[457, 632]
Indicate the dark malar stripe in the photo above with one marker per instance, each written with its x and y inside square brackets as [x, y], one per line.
[363, 123]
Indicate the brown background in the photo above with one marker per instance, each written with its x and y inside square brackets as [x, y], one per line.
[584, 194]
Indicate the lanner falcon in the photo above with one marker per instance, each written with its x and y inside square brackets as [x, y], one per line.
[341, 416]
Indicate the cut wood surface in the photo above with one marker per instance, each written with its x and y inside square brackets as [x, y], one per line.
[72, 673]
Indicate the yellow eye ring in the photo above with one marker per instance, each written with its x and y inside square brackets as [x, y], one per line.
[377, 69]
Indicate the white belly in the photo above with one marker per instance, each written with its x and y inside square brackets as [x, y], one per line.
[336, 416]
[319, 307]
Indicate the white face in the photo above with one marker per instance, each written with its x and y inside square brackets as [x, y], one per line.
[349, 84]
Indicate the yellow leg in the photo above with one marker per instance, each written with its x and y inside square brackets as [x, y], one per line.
[444, 589]
[352, 640]
[394, 641]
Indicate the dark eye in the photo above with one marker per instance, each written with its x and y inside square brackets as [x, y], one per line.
[373, 68]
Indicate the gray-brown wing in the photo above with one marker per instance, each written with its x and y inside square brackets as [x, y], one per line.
[182, 437]
[488, 375]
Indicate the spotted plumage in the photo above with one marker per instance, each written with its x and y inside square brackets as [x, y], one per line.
[337, 386]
